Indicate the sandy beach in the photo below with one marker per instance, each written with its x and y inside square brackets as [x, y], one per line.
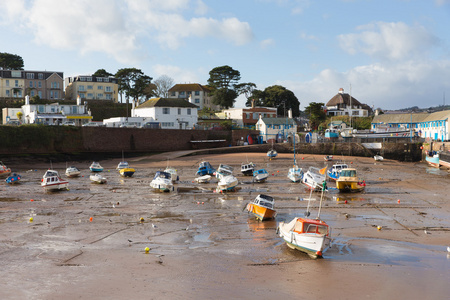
[89, 241]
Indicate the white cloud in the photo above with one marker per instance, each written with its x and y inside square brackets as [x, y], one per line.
[391, 41]
[388, 86]
[179, 75]
[202, 8]
[267, 43]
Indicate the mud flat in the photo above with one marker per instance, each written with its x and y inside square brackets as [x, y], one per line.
[89, 242]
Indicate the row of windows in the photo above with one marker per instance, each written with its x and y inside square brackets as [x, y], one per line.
[92, 96]
[91, 87]
[167, 124]
[73, 109]
[98, 79]
[16, 83]
[31, 76]
[196, 93]
[432, 124]
[166, 111]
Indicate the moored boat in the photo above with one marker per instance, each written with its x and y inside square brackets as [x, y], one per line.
[95, 167]
[162, 182]
[72, 171]
[349, 182]
[173, 173]
[335, 170]
[122, 165]
[328, 157]
[247, 168]
[272, 153]
[314, 178]
[205, 168]
[295, 173]
[13, 178]
[127, 172]
[227, 183]
[203, 179]
[378, 158]
[97, 178]
[260, 175]
[51, 181]
[331, 134]
[432, 158]
[262, 207]
[4, 171]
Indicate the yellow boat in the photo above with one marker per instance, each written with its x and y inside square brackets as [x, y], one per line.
[262, 207]
[127, 172]
[349, 182]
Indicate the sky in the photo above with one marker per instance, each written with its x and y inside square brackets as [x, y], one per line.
[389, 54]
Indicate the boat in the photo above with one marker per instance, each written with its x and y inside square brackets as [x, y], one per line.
[72, 171]
[4, 171]
[51, 181]
[295, 173]
[96, 167]
[127, 172]
[260, 175]
[272, 153]
[349, 182]
[328, 157]
[122, 165]
[224, 170]
[311, 236]
[162, 182]
[331, 134]
[314, 178]
[432, 158]
[444, 160]
[97, 178]
[262, 207]
[13, 178]
[385, 132]
[173, 173]
[203, 179]
[247, 168]
[227, 183]
[333, 173]
[205, 168]
[378, 158]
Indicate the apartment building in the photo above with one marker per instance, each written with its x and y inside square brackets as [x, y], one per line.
[194, 93]
[92, 88]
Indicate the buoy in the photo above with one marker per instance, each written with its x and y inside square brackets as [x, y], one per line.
[203, 202]
[141, 219]
[398, 201]
[379, 227]
[31, 200]
[90, 219]
[147, 249]
[345, 201]
[303, 158]
[278, 171]
[198, 202]
[31, 219]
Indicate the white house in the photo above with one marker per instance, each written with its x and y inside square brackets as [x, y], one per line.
[195, 93]
[172, 113]
[275, 128]
[343, 104]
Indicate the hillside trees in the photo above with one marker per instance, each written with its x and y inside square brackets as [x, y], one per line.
[315, 113]
[223, 81]
[133, 84]
[162, 86]
[276, 96]
[10, 61]
[102, 73]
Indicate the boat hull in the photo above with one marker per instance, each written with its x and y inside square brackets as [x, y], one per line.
[203, 179]
[312, 244]
[351, 186]
[444, 160]
[127, 172]
[260, 212]
[13, 179]
[161, 186]
[227, 184]
[433, 160]
[63, 185]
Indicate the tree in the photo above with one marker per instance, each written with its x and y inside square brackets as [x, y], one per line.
[102, 73]
[162, 86]
[246, 89]
[276, 96]
[10, 61]
[223, 81]
[132, 82]
[19, 115]
[316, 114]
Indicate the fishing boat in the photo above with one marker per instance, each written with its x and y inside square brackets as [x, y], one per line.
[13, 178]
[247, 168]
[4, 171]
[205, 168]
[96, 167]
[162, 182]
[311, 236]
[349, 182]
[378, 158]
[262, 207]
[314, 178]
[331, 134]
[260, 175]
[72, 171]
[52, 182]
[333, 173]
[97, 178]
[127, 172]
[432, 158]
[203, 179]
[295, 173]
[227, 183]
[272, 153]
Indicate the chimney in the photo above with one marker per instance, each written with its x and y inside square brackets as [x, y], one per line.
[253, 103]
[290, 113]
[27, 100]
[78, 100]
[341, 91]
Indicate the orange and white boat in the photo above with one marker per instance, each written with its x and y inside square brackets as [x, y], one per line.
[4, 171]
[262, 207]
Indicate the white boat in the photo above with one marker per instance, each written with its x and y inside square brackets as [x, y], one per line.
[95, 167]
[4, 170]
[122, 165]
[72, 171]
[262, 207]
[227, 183]
[52, 182]
[311, 236]
[260, 175]
[295, 174]
[247, 168]
[272, 153]
[97, 178]
[224, 170]
[203, 179]
[173, 173]
[328, 157]
[162, 182]
[378, 158]
[314, 178]
[335, 170]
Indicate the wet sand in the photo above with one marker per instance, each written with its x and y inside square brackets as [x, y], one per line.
[203, 245]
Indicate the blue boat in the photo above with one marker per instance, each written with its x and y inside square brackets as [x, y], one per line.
[331, 134]
[13, 178]
[205, 168]
[432, 158]
[96, 167]
[260, 175]
[335, 171]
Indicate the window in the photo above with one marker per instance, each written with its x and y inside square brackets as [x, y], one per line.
[197, 100]
[166, 110]
[7, 82]
[74, 109]
[55, 85]
[16, 74]
[188, 111]
[40, 76]
[51, 94]
[167, 124]
[40, 94]
[99, 96]
[197, 93]
[30, 75]
[81, 88]
[100, 87]
[40, 84]
[179, 111]
[108, 96]
[90, 87]
[108, 89]
[41, 108]
[172, 94]
[182, 93]
[31, 84]
[7, 93]
[32, 93]
[16, 83]
[99, 79]
[105, 79]
[90, 96]
[56, 94]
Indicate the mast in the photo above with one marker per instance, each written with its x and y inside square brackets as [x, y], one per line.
[350, 112]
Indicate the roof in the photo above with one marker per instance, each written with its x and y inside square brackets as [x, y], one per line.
[400, 118]
[438, 116]
[343, 98]
[278, 121]
[188, 87]
[166, 102]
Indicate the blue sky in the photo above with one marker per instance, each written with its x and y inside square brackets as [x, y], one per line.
[389, 53]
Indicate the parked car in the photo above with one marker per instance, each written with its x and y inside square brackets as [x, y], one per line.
[91, 124]
[69, 123]
[154, 125]
[13, 123]
[127, 125]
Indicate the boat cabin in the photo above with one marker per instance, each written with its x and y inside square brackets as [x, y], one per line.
[163, 175]
[264, 201]
[348, 173]
[311, 226]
